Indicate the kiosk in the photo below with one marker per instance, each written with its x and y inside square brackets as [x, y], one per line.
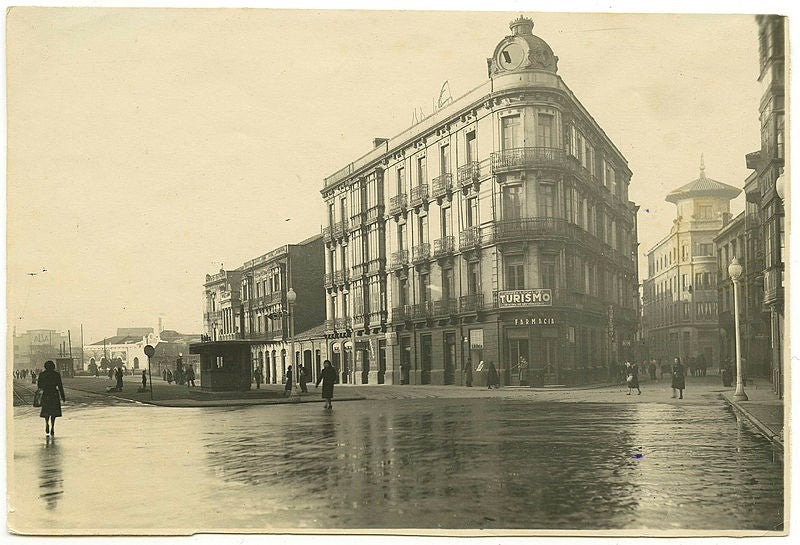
[224, 365]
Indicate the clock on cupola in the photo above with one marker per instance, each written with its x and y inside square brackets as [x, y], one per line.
[522, 51]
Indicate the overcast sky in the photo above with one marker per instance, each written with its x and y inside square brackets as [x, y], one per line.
[148, 147]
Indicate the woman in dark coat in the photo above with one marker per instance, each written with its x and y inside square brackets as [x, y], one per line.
[50, 383]
[632, 377]
[492, 377]
[678, 377]
[328, 378]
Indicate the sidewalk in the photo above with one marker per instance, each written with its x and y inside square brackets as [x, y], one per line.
[763, 409]
[175, 395]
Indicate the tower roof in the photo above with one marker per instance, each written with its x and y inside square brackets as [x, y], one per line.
[703, 187]
[522, 50]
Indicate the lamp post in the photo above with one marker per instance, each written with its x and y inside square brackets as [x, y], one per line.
[735, 272]
[291, 297]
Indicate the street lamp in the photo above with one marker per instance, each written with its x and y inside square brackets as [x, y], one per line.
[735, 272]
[291, 297]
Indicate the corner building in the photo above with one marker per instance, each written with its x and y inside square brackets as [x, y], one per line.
[496, 229]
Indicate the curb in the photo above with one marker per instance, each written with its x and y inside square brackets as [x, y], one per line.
[760, 426]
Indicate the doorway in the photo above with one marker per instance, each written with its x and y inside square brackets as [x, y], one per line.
[381, 362]
[405, 360]
[425, 375]
[518, 355]
[449, 358]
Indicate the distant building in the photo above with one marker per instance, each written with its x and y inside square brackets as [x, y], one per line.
[36, 346]
[125, 349]
[680, 294]
[498, 228]
[250, 303]
[768, 164]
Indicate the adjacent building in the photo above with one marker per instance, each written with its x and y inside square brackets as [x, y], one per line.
[766, 192]
[680, 298]
[497, 229]
[251, 304]
[35, 346]
[125, 349]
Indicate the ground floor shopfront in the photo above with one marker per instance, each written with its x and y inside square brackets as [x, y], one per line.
[528, 348]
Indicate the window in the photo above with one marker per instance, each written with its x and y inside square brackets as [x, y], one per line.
[422, 170]
[444, 159]
[401, 238]
[471, 212]
[512, 132]
[546, 200]
[779, 136]
[331, 214]
[515, 272]
[424, 287]
[705, 212]
[471, 149]
[705, 249]
[512, 202]
[343, 209]
[448, 287]
[473, 277]
[422, 231]
[547, 271]
[402, 291]
[544, 130]
[401, 180]
[445, 221]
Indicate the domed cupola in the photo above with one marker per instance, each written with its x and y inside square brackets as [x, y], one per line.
[522, 51]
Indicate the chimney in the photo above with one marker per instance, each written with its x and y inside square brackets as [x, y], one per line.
[378, 141]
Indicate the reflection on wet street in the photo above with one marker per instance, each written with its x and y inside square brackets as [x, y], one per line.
[432, 463]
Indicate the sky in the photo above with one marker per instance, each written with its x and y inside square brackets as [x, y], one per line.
[147, 148]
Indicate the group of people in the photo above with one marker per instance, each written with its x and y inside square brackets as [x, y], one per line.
[23, 374]
[678, 377]
[302, 377]
[180, 376]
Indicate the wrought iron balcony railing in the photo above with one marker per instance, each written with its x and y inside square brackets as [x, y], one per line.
[528, 157]
[444, 246]
[442, 185]
[398, 204]
[399, 259]
[419, 195]
[523, 228]
[469, 173]
[470, 238]
[445, 307]
[421, 252]
[471, 303]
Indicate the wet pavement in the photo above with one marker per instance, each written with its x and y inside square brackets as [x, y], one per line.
[506, 461]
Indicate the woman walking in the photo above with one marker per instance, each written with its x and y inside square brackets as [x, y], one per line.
[50, 383]
[678, 377]
[328, 379]
[287, 389]
[632, 377]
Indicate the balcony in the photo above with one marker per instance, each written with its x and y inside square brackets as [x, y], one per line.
[773, 286]
[341, 277]
[328, 280]
[523, 158]
[471, 303]
[356, 221]
[339, 229]
[343, 324]
[422, 311]
[470, 238]
[375, 265]
[526, 228]
[469, 174]
[442, 185]
[326, 234]
[398, 204]
[402, 313]
[330, 326]
[274, 335]
[443, 247]
[398, 260]
[373, 213]
[445, 307]
[376, 318]
[421, 253]
[274, 297]
[419, 195]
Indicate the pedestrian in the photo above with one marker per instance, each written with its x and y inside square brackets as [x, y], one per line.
[169, 376]
[257, 377]
[301, 376]
[119, 376]
[328, 378]
[49, 383]
[164, 374]
[632, 377]
[678, 377]
[469, 374]
[33, 376]
[144, 381]
[492, 377]
[287, 389]
[190, 376]
[652, 369]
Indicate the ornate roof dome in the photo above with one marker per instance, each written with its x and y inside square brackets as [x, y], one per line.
[522, 50]
[703, 187]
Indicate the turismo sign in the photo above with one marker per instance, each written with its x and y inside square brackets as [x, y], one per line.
[524, 298]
